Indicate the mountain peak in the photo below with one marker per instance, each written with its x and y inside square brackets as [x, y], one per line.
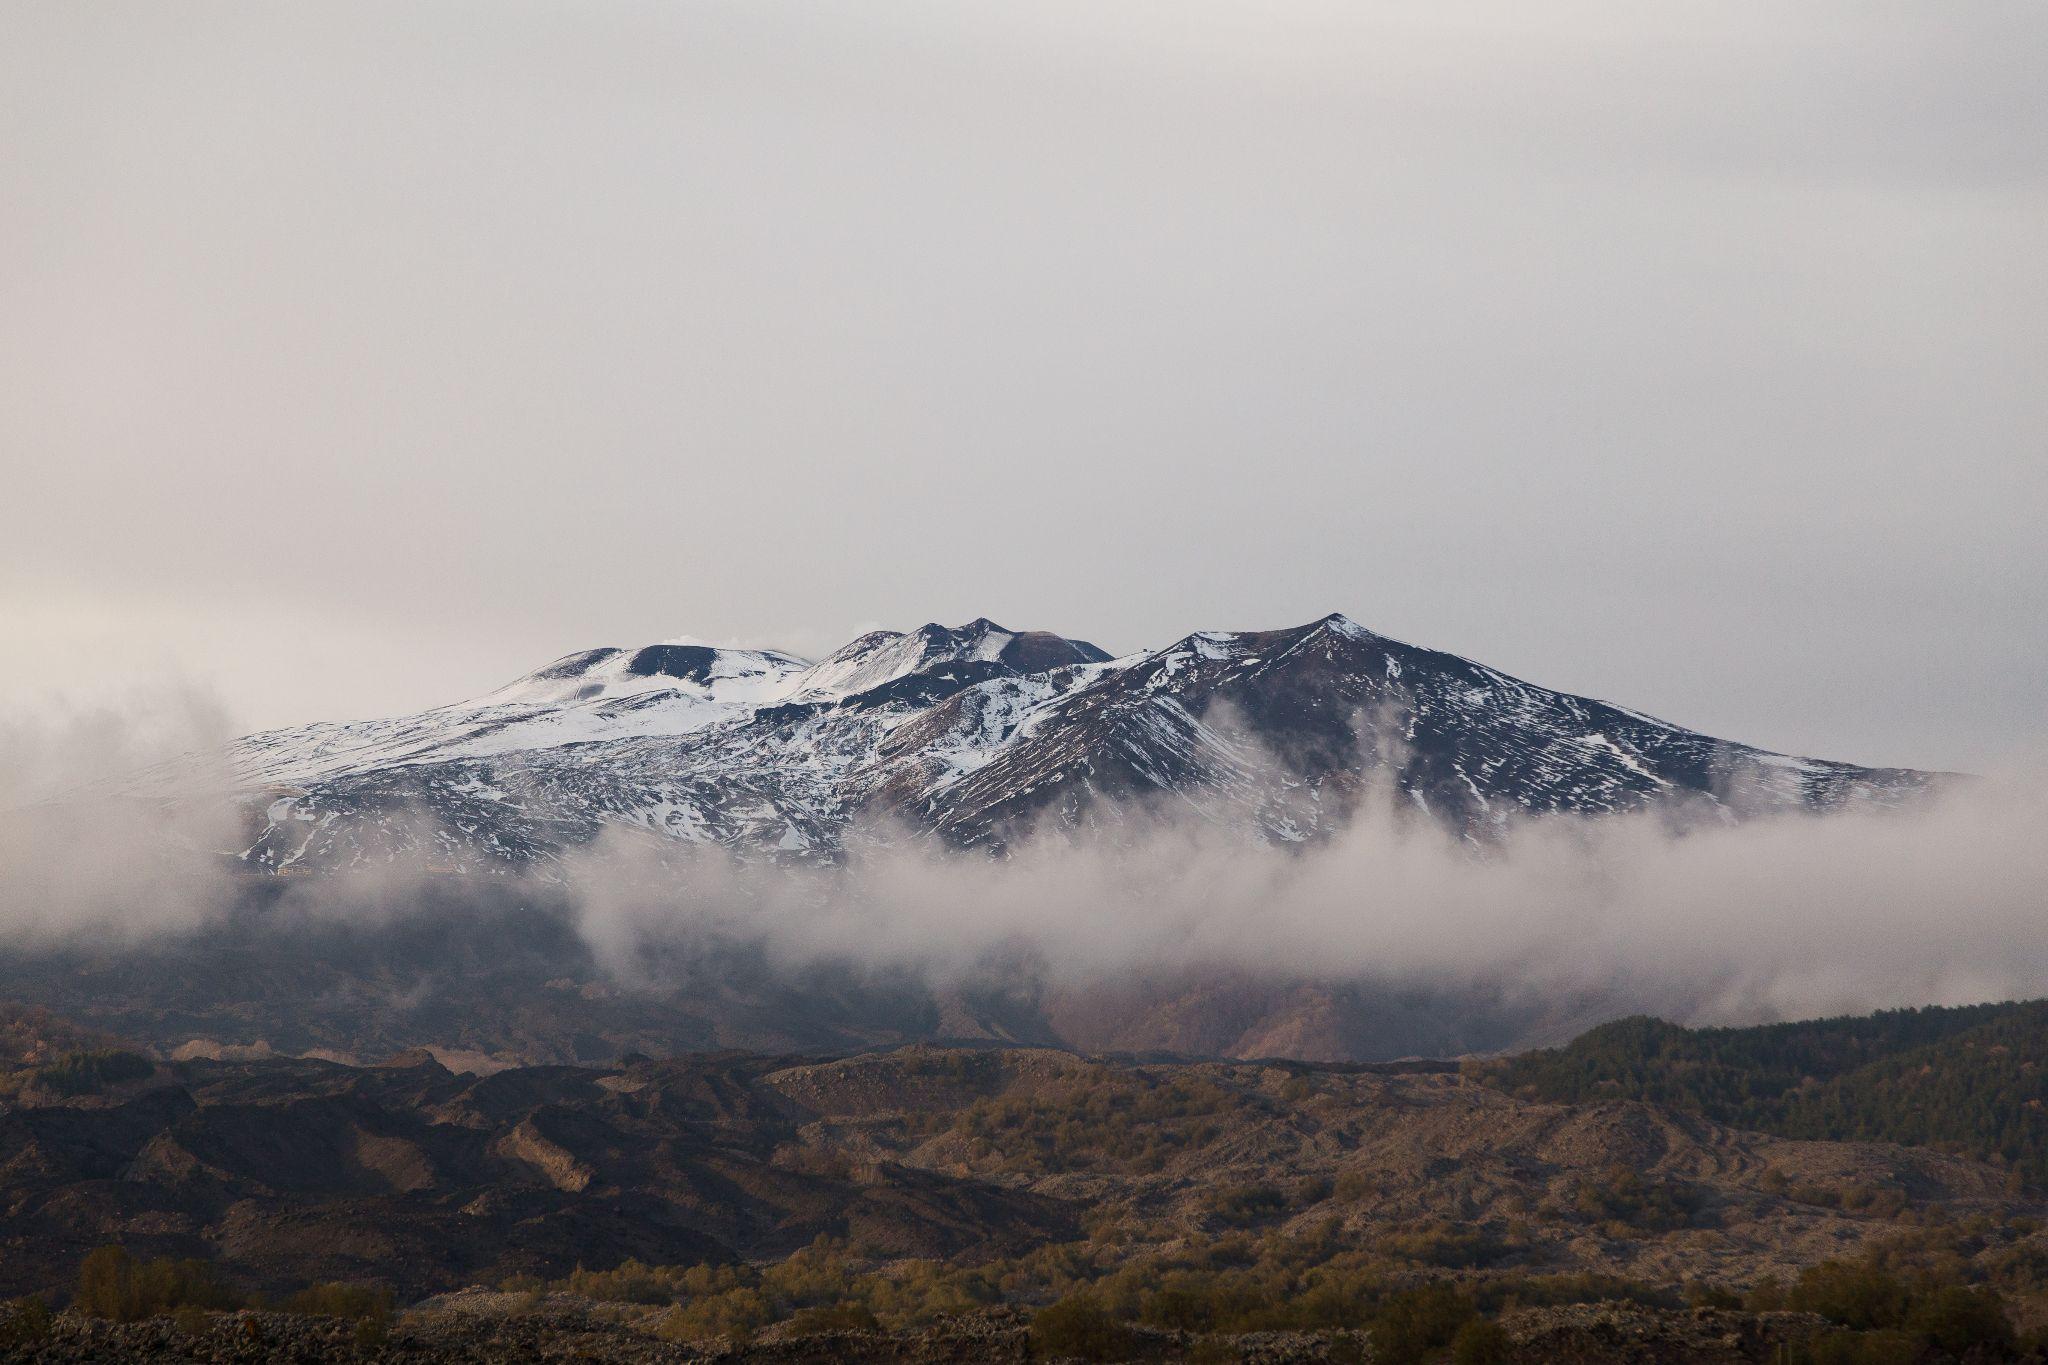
[610, 671]
[881, 657]
[975, 732]
[1337, 623]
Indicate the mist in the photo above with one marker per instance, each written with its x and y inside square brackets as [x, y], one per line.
[1698, 918]
[85, 853]
[1939, 903]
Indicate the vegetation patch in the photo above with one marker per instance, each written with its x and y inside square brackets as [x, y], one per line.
[1972, 1080]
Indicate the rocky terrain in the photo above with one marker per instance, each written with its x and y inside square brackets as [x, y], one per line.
[480, 1328]
[287, 1172]
[928, 1204]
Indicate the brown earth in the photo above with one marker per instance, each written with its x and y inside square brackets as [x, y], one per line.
[287, 1171]
[477, 1328]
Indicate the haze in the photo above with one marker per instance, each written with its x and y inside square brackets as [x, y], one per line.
[356, 358]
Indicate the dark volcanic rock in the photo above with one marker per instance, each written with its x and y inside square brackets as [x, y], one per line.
[289, 1172]
[483, 1330]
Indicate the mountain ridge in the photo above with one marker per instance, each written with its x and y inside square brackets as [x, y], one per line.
[973, 736]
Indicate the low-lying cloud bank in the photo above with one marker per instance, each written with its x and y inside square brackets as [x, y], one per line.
[1944, 901]
[80, 855]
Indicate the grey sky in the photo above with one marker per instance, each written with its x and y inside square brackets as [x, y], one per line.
[356, 357]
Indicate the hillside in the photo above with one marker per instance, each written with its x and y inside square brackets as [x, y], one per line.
[1972, 1080]
[726, 1195]
[287, 1171]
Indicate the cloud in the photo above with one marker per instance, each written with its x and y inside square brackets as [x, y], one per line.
[87, 855]
[1939, 903]
[1942, 901]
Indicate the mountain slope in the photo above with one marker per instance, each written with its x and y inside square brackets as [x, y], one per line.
[974, 734]
[1973, 1079]
[1284, 727]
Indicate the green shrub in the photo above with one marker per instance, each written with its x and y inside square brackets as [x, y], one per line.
[1623, 1196]
[1482, 1341]
[1243, 1205]
[1102, 1118]
[1859, 1348]
[628, 1282]
[737, 1313]
[632, 1281]
[1415, 1322]
[820, 1274]
[1860, 1295]
[1931, 1311]
[1444, 1244]
[1185, 1303]
[1080, 1326]
[837, 1317]
[1352, 1186]
[1956, 1318]
[113, 1284]
[26, 1322]
[1767, 1295]
[1879, 1201]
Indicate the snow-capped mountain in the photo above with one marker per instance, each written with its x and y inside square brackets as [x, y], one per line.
[974, 734]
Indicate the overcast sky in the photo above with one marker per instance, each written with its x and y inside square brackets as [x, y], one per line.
[357, 357]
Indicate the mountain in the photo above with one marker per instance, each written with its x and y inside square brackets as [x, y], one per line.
[975, 734]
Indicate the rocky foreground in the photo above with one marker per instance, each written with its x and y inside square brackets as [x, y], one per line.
[286, 1173]
[473, 1328]
[938, 1205]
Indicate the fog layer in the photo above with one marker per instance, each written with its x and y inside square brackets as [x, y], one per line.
[1944, 901]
